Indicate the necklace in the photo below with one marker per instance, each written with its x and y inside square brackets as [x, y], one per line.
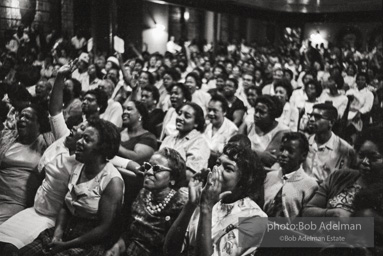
[153, 209]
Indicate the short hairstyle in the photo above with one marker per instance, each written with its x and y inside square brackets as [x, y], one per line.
[101, 98]
[137, 60]
[273, 103]
[141, 108]
[42, 117]
[363, 74]
[255, 88]
[235, 81]
[184, 89]
[154, 90]
[18, 92]
[338, 79]
[287, 70]
[242, 140]
[303, 142]
[76, 87]
[219, 98]
[176, 163]
[151, 78]
[252, 173]
[329, 108]
[196, 78]
[249, 74]
[373, 134]
[199, 117]
[284, 83]
[222, 76]
[109, 137]
[318, 86]
[173, 73]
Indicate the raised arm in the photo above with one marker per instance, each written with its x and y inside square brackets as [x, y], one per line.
[56, 97]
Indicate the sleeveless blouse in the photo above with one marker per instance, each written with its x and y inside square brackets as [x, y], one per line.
[83, 199]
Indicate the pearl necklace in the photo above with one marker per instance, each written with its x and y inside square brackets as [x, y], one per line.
[153, 209]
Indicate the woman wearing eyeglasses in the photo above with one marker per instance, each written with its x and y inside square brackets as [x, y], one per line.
[156, 207]
[335, 196]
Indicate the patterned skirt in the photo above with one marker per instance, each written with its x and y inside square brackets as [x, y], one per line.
[75, 227]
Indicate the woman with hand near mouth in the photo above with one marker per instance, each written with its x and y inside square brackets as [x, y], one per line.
[93, 202]
[20, 153]
[189, 141]
[210, 223]
[156, 207]
[179, 95]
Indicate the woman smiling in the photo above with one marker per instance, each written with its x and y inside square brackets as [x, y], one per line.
[93, 201]
[189, 141]
[156, 207]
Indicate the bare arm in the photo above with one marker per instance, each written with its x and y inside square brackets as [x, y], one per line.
[140, 152]
[176, 234]
[238, 117]
[110, 204]
[56, 97]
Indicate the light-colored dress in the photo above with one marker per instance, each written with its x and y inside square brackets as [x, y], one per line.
[18, 174]
[83, 199]
[24, 227]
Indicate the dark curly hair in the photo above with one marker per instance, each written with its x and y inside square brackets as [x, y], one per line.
[284, 83]
[109, 137]
[318, 87]
[151, 78]
[101, 98]
[184, 89]
[76, 87]
[141, 108]
[273, 103]
[199, 118]
[196, 78]
[177, 164]
[42, 117]
[252, 173]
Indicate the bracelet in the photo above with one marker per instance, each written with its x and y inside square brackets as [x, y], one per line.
[325, 212]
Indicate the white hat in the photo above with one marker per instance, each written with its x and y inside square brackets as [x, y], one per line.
[84, 57]
[113, 60]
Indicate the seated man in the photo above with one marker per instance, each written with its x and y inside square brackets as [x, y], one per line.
[327, 152]
[287, 187]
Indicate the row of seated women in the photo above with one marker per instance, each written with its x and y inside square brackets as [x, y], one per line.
[89, 217]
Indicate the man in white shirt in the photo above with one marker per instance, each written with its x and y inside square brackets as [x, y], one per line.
[361, 103]
[327, 152]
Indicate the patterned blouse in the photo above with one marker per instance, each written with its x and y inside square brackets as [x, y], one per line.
[145, 234]
[345, 199]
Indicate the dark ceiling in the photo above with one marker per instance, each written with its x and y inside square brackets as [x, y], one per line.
[294, 11]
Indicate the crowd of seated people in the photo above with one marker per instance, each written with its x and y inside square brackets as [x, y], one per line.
[161, 154]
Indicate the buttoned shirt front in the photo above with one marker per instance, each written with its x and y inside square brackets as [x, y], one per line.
[192, 147]
[324, 159]
[221, 136]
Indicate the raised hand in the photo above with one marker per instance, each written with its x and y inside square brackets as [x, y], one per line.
[195, 187]
[212, 192]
